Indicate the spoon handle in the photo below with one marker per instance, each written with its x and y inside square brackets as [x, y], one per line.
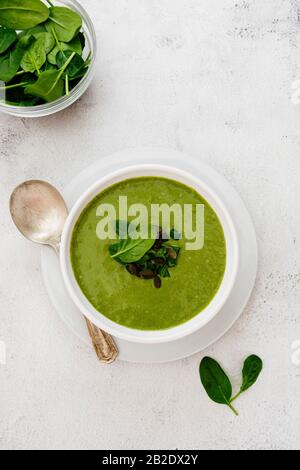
[104, 344]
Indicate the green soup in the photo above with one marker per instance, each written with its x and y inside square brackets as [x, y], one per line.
[133, 302]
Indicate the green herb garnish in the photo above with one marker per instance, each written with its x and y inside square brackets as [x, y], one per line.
[145, 258]
[41, 51]
[217, 384]
[129, 251]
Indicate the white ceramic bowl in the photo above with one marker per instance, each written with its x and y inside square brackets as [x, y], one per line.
[190, 326]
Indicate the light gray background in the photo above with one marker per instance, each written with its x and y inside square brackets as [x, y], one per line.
[211, 78]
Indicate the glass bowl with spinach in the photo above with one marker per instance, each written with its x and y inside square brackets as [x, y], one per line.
[47, 55]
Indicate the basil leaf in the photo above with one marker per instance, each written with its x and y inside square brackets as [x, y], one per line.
[74, 45]
[215, 382]
[7, 38]
[75, 65]
[49, 86]
[11, 60]
[36, 55]
[65, 22]
[130, 251]
[251, 371]
[22, 14]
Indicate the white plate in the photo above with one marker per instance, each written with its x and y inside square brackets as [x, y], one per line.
[134, 352]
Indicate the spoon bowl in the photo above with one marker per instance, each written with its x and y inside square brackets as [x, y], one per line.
[39, 212]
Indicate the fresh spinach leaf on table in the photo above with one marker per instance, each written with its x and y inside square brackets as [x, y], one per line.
[251, 371]
[217, 384]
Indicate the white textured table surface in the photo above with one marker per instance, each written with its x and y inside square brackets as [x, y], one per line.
[212, 78]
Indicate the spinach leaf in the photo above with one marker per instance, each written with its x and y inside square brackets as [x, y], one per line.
[163, 271]
[13, 86]
[50, 85]
[80, 74]
[81, 38]
[74, 46]
[32, 31]
[47, 39]
[65, 22]
[48, 66]
[129, 251]
[44, 42]
[172, 262]
[14, 92]
[216, 383]
[251, 371]
[36, 55]
[162, 252]
[29, 101]
[22, 14]
[147, 259]
[7, 38]
[11, 60]
[75, 65]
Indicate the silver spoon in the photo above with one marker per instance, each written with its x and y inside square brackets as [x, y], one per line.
[39, 212]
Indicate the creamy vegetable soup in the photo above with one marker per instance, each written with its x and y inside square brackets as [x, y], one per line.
[148, 287]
